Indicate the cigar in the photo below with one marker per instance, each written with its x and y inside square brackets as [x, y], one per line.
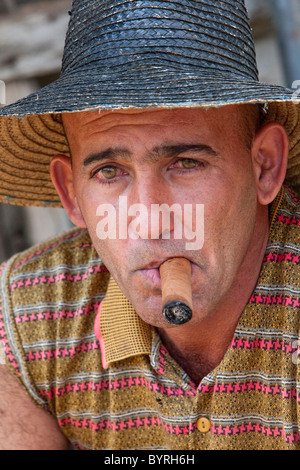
[176, 288]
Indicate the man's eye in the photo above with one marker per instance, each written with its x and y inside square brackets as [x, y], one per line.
[183, 164]
[109, 172]
[188, 163]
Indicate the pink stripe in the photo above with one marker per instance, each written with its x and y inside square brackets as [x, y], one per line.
[100, 338]
[280, 257]
[116, 385]
[273, 299]
[59, 277]
[147, 421]
[288, 220]
[251, 385]
[261, 343]
[62, 352]
[257, 428]
[56, 315]
[84, 245]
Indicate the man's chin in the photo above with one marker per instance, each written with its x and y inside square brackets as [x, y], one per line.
[150, 310]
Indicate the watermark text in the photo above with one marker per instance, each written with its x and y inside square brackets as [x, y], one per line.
[161, 221]
[296, 94]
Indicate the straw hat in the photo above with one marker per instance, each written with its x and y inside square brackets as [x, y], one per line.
[138, 54]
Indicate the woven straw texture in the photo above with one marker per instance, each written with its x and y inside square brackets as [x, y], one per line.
[137, 54]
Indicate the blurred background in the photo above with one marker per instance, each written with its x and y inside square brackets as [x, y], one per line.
[32, 34]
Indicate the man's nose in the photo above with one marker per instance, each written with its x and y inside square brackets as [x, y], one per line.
[149, 205]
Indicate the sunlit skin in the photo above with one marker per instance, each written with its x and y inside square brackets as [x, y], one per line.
[180, 156]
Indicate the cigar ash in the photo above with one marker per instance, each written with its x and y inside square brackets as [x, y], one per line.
[177, 312]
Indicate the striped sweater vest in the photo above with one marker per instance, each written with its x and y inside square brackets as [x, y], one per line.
[50, 298]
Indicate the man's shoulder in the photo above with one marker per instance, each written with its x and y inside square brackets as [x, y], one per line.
[69, 257]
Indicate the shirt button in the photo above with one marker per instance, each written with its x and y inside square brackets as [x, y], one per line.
[203, 425]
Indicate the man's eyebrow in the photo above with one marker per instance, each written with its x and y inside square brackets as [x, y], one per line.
[162, 151]
[174, 150]
[109, 153]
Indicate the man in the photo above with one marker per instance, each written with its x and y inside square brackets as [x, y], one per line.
[154, 107]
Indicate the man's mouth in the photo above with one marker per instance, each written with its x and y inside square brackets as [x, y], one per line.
[150, 272]
[152, 276]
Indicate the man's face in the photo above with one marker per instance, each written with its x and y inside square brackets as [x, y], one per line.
[187, 156]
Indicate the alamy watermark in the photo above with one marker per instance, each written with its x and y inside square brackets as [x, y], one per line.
[161, 221]
[296, 94]
[2, 94]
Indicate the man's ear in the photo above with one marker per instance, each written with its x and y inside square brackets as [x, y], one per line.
[270, 155]
[62, 177]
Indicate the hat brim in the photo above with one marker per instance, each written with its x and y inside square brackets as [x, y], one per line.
[28, 144]
[144, 88]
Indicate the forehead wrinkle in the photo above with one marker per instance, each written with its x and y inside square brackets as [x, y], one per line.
[93, 121]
